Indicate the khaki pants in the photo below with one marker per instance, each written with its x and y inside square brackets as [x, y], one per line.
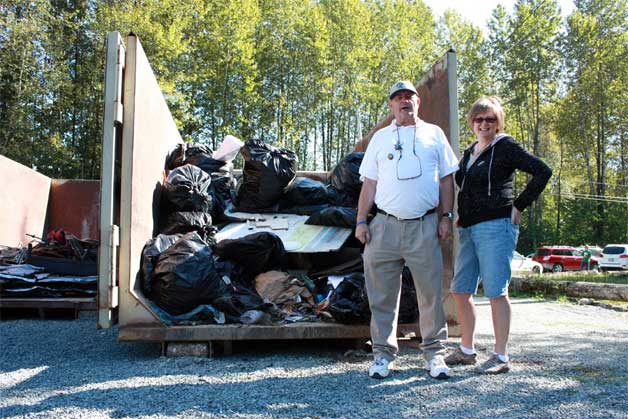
[392, 243]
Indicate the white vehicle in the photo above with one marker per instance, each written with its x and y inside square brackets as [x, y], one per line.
[522, 264]
[614, 256]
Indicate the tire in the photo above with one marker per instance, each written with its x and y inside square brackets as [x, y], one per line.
[557, 268]
[595, 267]
[536, 270]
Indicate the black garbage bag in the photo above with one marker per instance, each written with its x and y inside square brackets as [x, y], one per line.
[200, 155]
[344, 181]
[223, 191]
[152, 249]
[302, 209]
[408, 306]
[176, 157]
[349, 303]
[221, 173]
[335, 217]
[343, 261]
[241, 300]
[187, 188]
[184, 277]
[186, 221]
[267, 171]
[223, 185]
[203, 314]
[304, 191]
[255, 253]
[228, 269]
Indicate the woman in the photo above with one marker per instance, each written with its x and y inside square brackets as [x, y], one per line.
[488, 221]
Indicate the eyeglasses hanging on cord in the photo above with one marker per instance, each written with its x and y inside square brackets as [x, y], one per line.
[412, 171]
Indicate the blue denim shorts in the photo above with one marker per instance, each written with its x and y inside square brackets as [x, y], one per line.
[484, 254]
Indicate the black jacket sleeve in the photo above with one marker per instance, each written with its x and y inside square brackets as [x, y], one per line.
[531, 164]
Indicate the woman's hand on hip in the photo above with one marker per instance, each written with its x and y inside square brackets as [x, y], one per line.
[515, 216]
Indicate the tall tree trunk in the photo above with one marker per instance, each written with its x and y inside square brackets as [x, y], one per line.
[600, 163]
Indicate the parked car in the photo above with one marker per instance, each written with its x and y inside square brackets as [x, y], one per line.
[614, 256]
[561, 258]
[522, 264]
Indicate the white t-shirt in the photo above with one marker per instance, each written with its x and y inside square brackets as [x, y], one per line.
[408, 179]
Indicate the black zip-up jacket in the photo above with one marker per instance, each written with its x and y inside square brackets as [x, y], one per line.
[486, 188]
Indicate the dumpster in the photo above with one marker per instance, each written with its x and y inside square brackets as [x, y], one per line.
[32, 205]
[138, 134]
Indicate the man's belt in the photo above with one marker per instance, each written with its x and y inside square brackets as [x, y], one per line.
[433, 210]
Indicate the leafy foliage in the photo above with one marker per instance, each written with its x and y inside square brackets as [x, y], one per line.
[312, 75]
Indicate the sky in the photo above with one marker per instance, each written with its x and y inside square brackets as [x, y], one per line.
[479, 11]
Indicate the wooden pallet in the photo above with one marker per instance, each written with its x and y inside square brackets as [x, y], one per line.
[46, 306]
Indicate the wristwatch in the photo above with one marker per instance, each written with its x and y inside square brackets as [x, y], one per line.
[449, 215]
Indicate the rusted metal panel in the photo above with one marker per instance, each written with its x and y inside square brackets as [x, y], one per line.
[88, 303]
[74, 206]
[437, 90]
[234, 332]
[433, 90]
[24, 198]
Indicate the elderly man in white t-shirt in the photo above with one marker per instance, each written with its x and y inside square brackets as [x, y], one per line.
[406, 171]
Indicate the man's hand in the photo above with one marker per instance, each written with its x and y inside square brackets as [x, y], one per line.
[365, 203]
[362, 233]
[444, 228]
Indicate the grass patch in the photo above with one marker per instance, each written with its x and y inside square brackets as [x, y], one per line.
[537, 295]
[601, 277]
[560, 298]
[541, 296]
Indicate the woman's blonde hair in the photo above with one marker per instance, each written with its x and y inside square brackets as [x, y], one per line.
[487, 103]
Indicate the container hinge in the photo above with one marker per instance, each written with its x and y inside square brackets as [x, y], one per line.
[118, 107]
[114, 244]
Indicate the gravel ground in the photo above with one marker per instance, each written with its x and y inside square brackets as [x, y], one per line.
[569, 361]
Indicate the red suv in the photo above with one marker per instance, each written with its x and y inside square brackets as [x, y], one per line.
[561, 258]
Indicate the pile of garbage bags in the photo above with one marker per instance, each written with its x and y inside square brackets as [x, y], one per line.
[191, 278]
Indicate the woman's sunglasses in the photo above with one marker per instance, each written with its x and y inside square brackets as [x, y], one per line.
[490, 120]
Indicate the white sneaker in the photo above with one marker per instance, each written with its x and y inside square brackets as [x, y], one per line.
[380, 368]
[437, 367]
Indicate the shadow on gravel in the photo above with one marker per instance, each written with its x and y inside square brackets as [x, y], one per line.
[81, 369]
[313, 392]
[513, 301]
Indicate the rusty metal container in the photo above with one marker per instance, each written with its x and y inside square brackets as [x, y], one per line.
[31, 205]
[138, 134]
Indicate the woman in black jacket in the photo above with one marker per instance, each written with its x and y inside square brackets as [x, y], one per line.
[488, 225]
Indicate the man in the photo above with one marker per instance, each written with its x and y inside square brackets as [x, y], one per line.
[585, 264]
[406, 171]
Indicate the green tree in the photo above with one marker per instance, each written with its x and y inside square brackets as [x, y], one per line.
[525, 66]
[594, 49]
